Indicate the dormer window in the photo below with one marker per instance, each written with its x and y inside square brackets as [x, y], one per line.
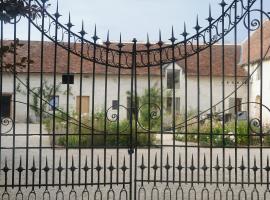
[170, 83]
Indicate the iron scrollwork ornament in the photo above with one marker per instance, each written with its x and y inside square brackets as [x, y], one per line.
[152, 116]
[142, 55]
[253, 23]
[6, 125]
[113, 116]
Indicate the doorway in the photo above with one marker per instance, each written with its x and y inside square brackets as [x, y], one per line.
[5, 102]
[85, 104]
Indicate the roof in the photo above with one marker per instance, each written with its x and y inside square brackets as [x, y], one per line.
[62, 61]
[255, 45]
[231, 60]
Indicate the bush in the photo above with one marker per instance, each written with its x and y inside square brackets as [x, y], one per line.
[84, 136]
[232, 135]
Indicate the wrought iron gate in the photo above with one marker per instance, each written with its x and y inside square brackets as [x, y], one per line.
[81, 119]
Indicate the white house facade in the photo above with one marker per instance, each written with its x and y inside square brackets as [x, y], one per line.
[197, 88]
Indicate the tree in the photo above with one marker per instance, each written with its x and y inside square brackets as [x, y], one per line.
[147, 120]
[9, 11]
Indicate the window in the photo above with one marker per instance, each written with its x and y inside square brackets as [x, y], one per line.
[115, 104]
[238, 107]
[54, 103]
[5, 103]
[68, 79]
[170, 83]
[170, 104]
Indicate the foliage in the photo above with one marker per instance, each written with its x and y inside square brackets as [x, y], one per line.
[149, 111]
[233, 135]
[47, 91]
[8, 51]
[10, 9]
[82, 134]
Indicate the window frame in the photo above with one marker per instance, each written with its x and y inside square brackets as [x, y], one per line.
[56, 103]
[169, 77]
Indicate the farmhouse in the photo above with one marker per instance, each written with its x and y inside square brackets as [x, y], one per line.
[187, 90]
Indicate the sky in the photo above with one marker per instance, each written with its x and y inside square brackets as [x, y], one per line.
[133, 18]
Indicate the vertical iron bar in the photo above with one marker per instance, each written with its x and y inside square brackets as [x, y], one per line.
[248, 96]
[235, 93]
[28, 96]
[160, 43]
[1, 89]
[54, 91]
[41, 94]
[223, 95]
[80, 104]
[149, 104]
[105, 106]
[198, 100]
[210, 19]
[118, 108]
[174, 113]
[14, 100]
[132, 146]
[67, 99]
[261, 91]
[186, 101]
[95, 38]
[136, 114]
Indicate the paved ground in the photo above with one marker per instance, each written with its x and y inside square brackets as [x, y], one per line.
[149, 160]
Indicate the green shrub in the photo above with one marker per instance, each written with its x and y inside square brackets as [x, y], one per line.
[81, 136]
[232, 135]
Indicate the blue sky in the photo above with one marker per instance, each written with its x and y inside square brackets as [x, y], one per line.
[133, 18]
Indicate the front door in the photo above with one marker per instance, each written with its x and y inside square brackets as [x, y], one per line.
[85, 104]
[5, 102]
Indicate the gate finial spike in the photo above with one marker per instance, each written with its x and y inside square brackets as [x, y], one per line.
[69, 24]
[160, 43]
[57, 15]
[172, 39]
[210, 18]
[108, 36]
[185, 34]
[95, 37]
[223, 3]
[197, 27]
[120, 44]
[108, 43]
[134, 40]
[148, 44]
[82, 32]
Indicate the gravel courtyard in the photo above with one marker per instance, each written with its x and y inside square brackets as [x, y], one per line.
[100, 155]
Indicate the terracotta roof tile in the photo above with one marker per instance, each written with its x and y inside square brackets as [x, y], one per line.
[62, 58]
[255, 44]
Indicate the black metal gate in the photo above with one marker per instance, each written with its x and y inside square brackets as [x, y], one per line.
[85, 119]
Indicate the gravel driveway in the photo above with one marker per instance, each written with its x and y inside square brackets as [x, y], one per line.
[100, 155]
